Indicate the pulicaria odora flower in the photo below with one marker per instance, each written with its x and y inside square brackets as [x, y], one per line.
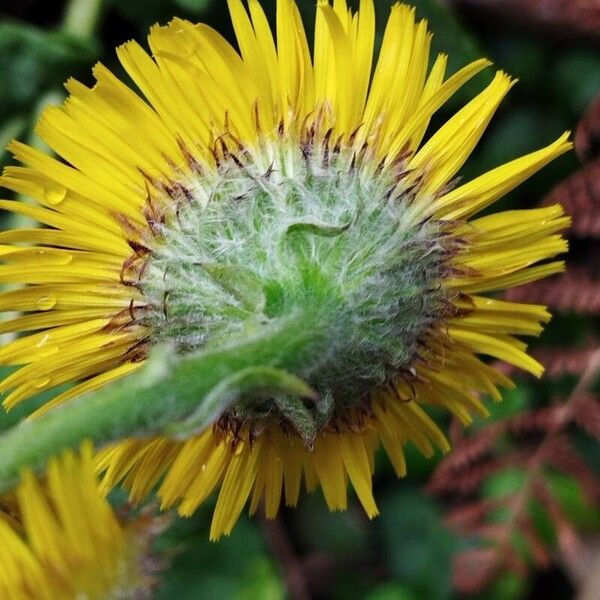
[235, 191]
[60, 539]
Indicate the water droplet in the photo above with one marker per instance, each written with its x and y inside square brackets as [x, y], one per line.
[54, 257]
[40, 383]
[203, 468]
[47, 352]
[46, 302]
[55, 196]
[45, 339]
[44, 350]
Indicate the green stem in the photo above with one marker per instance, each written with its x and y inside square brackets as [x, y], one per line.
[81, 17]
[148, 402]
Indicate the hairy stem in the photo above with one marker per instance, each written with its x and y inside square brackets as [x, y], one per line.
[166, 391]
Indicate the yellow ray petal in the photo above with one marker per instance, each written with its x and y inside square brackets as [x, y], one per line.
[447, 150]
[356, 461]
[475, 195]
[504, 347]
[429, 107]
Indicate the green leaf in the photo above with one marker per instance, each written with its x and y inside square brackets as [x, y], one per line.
[238, 567]
[514, 401]
[261, 582]
[391, 591]
[145, 13]
[523, 57]
[32, 60]
[418, 546]
[347, 532]
[576, 80]
[9, 130]
[542, 522]
[503, 485]
[508, 586]
[576, 506]
[194, 6]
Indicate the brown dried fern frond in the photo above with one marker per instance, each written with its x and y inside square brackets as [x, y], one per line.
[586, 414]
[474, 569]
[562, 456]
[579, 194]
[499, 476]
[576, 290]
[529, 447]
[559, 361]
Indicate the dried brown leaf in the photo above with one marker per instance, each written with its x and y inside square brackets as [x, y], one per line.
[515, 563]
[538, 442]
[579, 194]
[560, 361]
[568, 540]
[576, 290]
[469, 481]
[562, 456]
[472, 449]
[537, 548]
[473, 570]
[586, 413]
[540, 420]
[465, 483]
[466, 516]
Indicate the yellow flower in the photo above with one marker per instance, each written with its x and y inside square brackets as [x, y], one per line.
[155, 234]
[61, 540]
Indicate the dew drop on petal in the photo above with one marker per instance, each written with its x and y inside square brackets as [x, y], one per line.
[43, 341]
[55, 196]
[46, 352]
[46, 302]
[40, 383]
[56, 258]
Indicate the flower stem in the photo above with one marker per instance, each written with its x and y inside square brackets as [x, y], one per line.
[81, 17]
[166, 391]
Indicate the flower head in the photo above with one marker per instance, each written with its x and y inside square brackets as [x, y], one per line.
[275, 187]
[60, 538]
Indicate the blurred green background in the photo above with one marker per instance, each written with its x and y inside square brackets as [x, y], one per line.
[406, 553]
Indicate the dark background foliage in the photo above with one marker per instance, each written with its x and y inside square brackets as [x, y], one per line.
[512, 514]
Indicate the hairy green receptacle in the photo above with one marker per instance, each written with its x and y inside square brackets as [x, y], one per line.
[291, 231]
